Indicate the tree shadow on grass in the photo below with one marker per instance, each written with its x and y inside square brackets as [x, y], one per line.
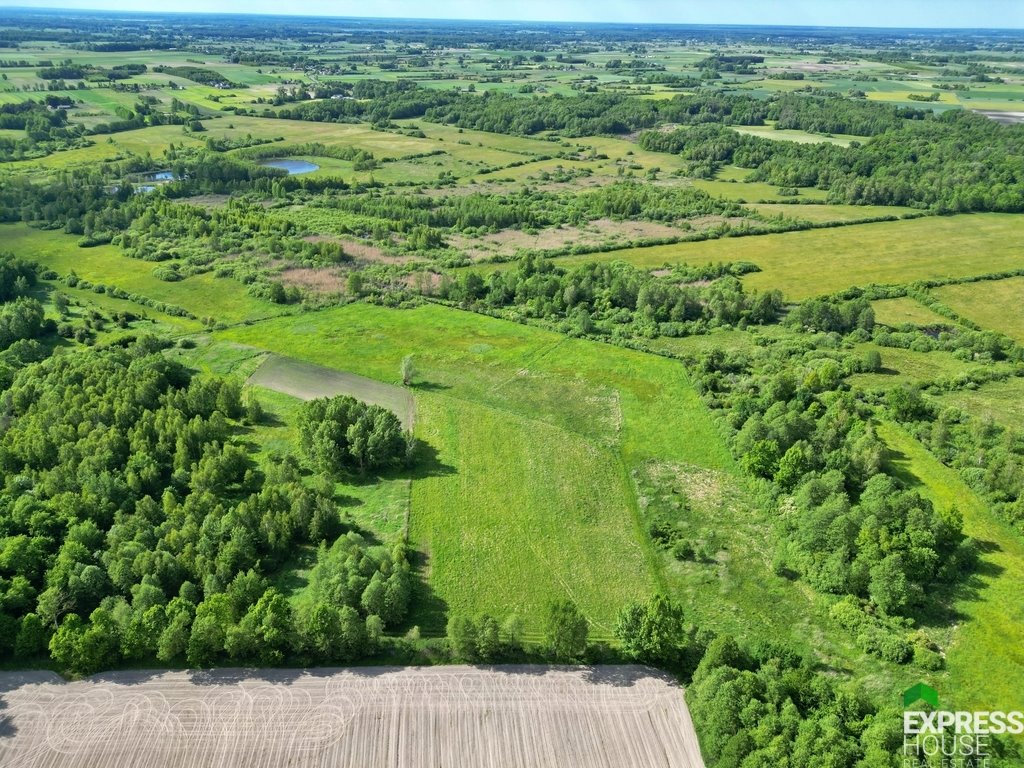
[430, 386]
[940, 610]
[429, 611]
[426, 462]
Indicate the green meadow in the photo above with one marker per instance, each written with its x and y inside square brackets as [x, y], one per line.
[994, 304]
[105, 264]
[820, 261]
[989, 631]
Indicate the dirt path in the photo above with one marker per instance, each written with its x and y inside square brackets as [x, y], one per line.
[499, 717]
[308, 381]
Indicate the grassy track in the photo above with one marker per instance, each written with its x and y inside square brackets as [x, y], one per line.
[989, 635]
[819, 261]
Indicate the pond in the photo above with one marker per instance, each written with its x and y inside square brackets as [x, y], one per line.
[294, 167]
[158, 176]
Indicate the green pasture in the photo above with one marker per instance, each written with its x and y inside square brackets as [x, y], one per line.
[820, 261]
[993, 304]
[820, 214]
[754, 191]
[532, 432]
[801, 137]
[904, 310]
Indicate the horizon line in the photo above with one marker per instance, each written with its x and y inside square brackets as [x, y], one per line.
[695, 25]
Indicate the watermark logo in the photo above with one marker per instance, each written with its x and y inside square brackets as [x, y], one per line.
[940, 738]
[920, 692]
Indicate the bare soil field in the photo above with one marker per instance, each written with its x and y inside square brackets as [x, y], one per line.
[499, 717]
[1006, 118]
[308, 381]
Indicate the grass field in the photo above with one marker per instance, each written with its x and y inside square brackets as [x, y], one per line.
[989, 631]
[200, 294]
[995, 305]
[904, 310]
[821, 261]
[1000, 401]
[534, 436]
[817, 214]
[801, 137]
[907, 366]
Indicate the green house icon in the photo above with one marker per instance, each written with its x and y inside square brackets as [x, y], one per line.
[920, 692]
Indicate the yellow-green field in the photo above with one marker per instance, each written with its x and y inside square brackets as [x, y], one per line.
[903, 310]
[994, 304]
[534, 436]
[821, 261]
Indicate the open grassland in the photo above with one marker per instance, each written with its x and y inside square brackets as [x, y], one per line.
[995, 305]
[988, 633]
[904, 310]
[517, 513]
[532, 432]
[821, 261]
[801, 137]
[514, 717]
[819, 214]
[203, 295]
[754, 191]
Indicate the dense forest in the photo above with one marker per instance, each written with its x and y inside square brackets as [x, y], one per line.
[135, 525]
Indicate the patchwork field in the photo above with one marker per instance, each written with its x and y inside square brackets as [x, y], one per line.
[821, 261]
[507, 717]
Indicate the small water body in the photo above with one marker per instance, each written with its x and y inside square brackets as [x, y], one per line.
[159, 176]
[145, 188]
[294, 167]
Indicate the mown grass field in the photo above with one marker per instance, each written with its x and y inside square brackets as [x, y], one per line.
[821, 261]
[989, 632]
[994, 304]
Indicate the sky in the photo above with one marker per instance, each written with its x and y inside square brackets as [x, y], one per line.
[853, 13]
